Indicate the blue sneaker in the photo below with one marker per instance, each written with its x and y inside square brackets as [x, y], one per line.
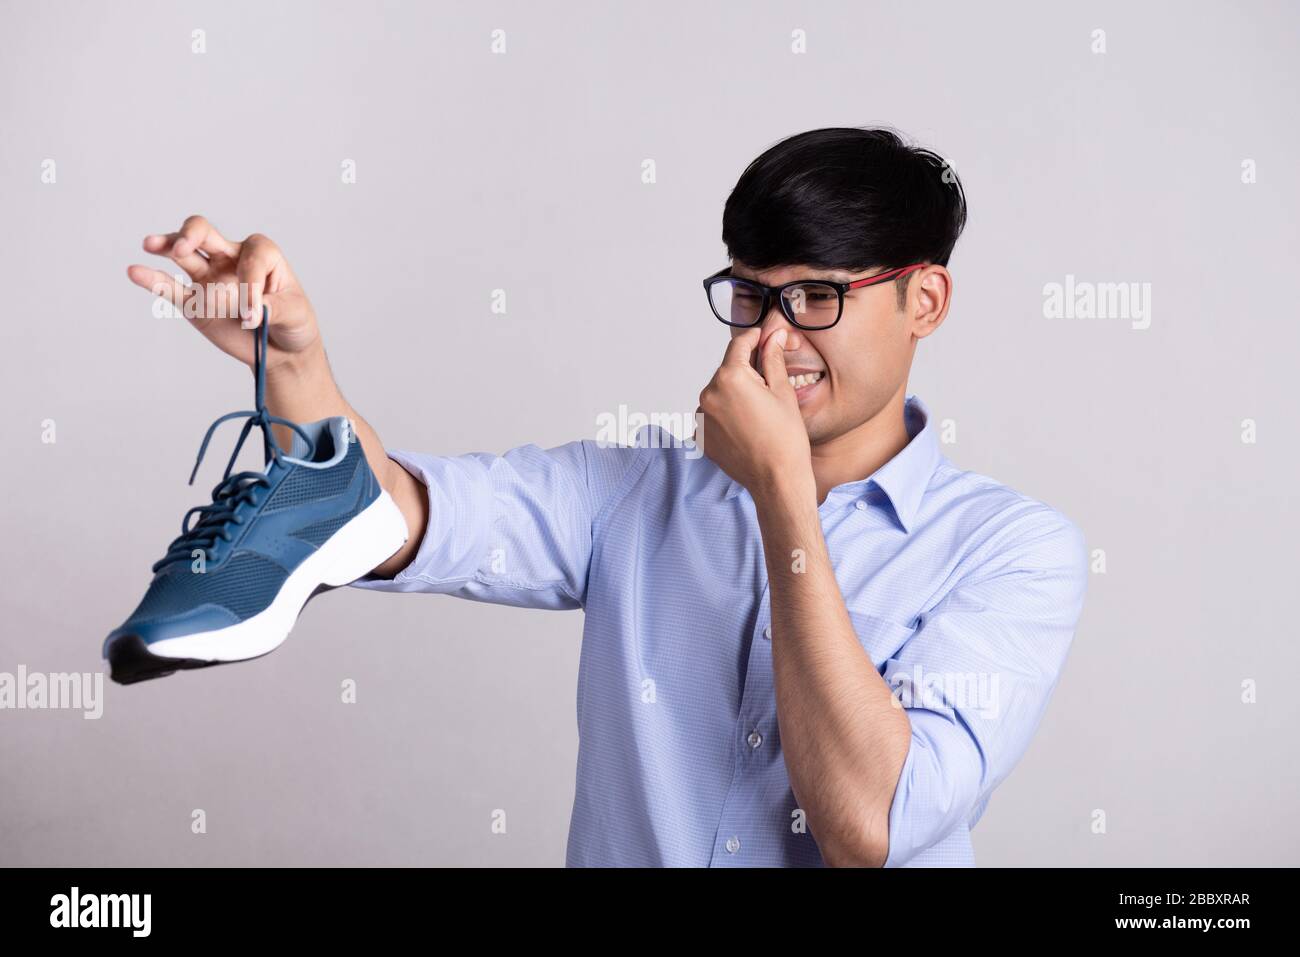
[232, 584]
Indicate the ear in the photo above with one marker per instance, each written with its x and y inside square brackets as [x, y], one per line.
[928, 296]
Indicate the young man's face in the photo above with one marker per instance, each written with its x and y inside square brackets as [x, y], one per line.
[863, 359]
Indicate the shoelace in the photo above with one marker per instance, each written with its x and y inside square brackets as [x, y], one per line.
[215, 520]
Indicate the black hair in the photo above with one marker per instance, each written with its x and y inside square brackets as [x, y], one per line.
[845, 198]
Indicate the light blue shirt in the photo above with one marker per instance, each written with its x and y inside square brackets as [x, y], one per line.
[963, 592]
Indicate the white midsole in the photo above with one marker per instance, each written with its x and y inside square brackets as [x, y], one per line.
[374, 535]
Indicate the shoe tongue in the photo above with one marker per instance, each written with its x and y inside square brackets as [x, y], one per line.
[298, 447]
[325, 435]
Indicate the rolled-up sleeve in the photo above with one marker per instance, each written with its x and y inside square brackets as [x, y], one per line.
[512, 529]
[976, 677]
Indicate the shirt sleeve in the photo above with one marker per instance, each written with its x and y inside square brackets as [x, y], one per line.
[976, 677]
[512, 529]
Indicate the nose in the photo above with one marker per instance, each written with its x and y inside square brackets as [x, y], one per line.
[775, 320]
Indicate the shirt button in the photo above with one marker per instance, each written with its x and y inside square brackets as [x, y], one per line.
[859, 505]
[767, 632]
[754, 739]
[733, 845]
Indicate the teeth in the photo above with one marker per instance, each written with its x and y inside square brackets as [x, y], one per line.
[798, 381]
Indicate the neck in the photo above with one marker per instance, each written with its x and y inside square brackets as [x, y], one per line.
[860, 451]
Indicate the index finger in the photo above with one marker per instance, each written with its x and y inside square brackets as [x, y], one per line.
[197, 233]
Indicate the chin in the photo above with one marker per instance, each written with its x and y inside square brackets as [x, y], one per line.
[817, 431]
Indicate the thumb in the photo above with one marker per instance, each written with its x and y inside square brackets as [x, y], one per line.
[778, 380]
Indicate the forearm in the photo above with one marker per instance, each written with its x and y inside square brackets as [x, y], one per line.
[842, 735]
[303, 390]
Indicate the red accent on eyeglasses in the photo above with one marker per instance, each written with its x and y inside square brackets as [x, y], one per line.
[886, 276]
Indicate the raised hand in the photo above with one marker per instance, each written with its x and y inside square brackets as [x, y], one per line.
[228, 283]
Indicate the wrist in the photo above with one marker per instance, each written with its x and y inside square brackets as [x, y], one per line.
[301, 380]
[788, 491]
[306, 364]
[301, 387]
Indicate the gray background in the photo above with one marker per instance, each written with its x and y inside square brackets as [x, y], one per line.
[522, 171]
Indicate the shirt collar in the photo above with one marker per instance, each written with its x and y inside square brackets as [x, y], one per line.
[905, 477]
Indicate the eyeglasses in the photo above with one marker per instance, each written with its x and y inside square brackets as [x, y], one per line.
[807, 303]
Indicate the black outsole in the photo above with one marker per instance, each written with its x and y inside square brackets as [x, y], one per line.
[130, 660]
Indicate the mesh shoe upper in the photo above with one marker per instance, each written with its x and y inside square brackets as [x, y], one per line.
[307, 504]
[243, 585]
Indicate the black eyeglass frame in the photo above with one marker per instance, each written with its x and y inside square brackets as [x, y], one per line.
[769, 291]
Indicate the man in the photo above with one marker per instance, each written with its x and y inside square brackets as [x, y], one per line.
[870, 635]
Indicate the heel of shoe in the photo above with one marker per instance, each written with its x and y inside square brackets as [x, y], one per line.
[371, 538]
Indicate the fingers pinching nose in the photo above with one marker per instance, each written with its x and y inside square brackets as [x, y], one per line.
[773, 345]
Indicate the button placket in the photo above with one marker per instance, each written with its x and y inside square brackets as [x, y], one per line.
[757, 695]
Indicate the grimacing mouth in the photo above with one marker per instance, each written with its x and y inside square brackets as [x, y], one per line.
[803, 379]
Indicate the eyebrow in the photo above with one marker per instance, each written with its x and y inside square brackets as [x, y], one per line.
[834, 275]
